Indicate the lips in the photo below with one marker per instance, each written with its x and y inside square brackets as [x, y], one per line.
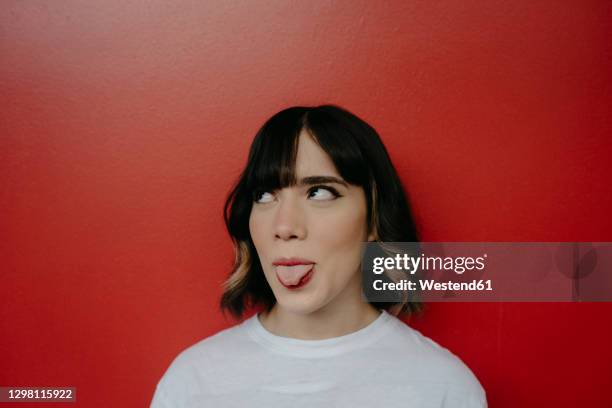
[293, 273]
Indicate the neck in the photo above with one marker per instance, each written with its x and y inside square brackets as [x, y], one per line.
[344, 315]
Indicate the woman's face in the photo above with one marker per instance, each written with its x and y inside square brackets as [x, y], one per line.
[308, 236]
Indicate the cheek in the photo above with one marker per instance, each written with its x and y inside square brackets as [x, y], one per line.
[342, 237]
[252, 224]
[257, 230]
[344, 229]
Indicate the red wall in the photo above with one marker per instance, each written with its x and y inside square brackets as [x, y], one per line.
[124, 124]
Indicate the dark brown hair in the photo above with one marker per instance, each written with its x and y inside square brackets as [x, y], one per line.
[360, 158]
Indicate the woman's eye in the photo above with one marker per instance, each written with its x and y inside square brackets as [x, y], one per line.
[263, 197]
[323, 193]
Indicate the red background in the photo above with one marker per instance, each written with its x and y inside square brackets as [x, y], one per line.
[125, 123]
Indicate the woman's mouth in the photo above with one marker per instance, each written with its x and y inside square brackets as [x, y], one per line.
[294, 274]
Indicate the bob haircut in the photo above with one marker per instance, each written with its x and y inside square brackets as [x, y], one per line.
[360, 158]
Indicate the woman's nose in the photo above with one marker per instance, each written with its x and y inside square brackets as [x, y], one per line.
[289, 221]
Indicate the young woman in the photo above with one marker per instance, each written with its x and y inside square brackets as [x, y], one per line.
[317, 185]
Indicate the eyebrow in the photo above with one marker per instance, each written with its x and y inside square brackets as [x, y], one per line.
[308, 181]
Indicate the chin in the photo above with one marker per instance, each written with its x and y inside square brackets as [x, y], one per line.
[298, 306]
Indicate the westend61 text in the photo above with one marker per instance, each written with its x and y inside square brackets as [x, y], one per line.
[429, 284]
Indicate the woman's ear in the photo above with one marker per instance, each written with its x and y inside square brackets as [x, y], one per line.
[373, 236]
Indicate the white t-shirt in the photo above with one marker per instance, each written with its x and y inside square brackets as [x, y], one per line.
[385, 364]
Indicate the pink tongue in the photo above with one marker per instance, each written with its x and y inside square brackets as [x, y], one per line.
[291, 275]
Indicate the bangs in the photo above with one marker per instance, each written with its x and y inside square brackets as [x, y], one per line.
[272, 164]
[272, 160]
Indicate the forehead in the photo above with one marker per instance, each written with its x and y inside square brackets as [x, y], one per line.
[311, 159]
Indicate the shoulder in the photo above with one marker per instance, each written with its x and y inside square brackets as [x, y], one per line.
[190, 370]
[432, 362]
[215, 345]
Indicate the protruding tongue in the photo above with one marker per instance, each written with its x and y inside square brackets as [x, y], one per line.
[291, 275]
